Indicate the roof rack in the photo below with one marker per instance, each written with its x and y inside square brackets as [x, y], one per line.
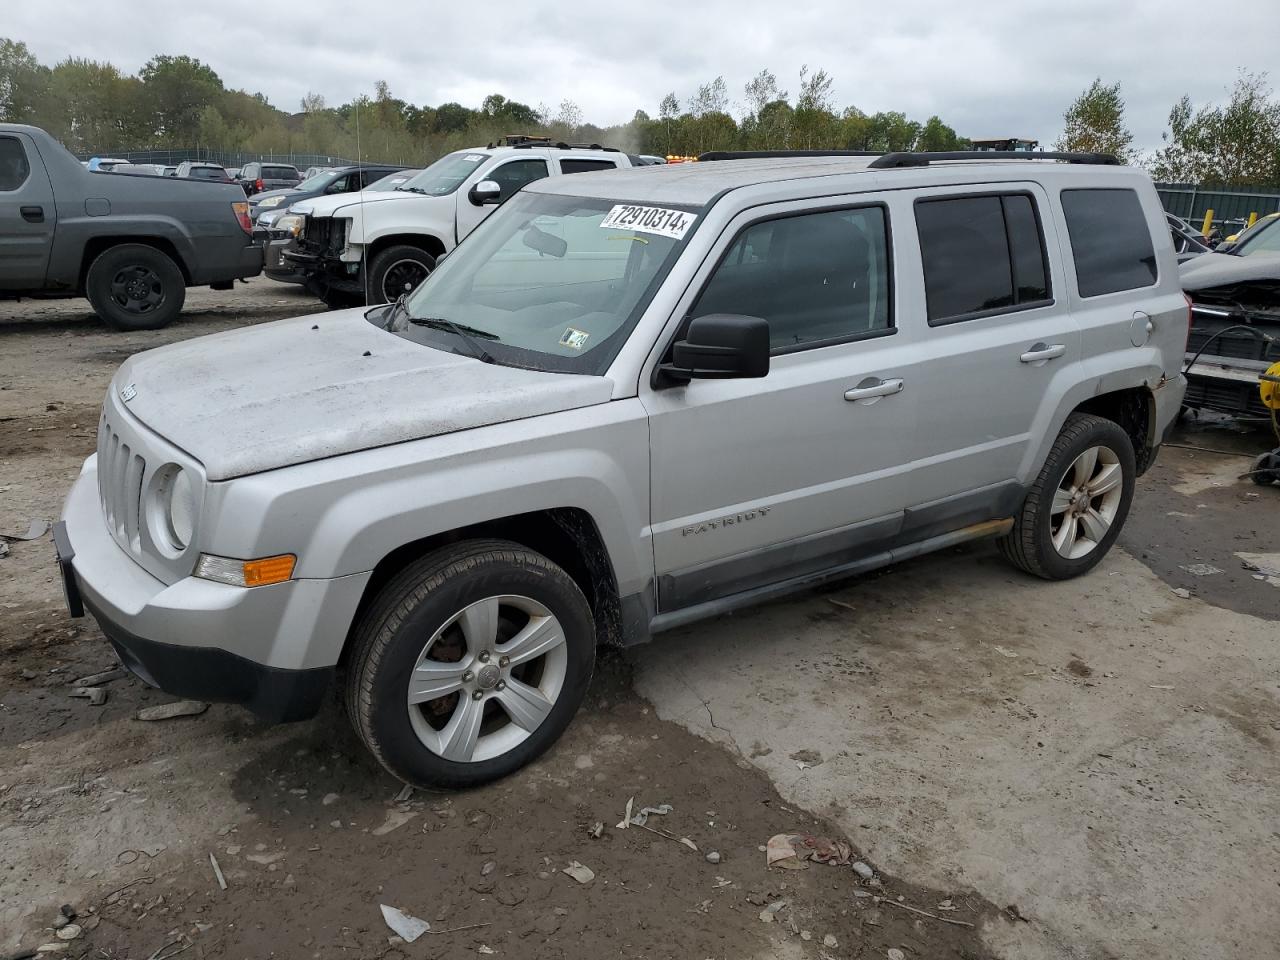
[523, 142]
[921, 159]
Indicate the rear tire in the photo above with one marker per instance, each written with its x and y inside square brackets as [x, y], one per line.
[1077, 505]
[396, 270]
[469, 664]
[135, 287]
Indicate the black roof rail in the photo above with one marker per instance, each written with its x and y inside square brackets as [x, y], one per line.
[770, 154]
[523, 142]
[923, 159]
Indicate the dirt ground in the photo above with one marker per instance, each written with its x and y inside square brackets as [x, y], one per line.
[1076, 770]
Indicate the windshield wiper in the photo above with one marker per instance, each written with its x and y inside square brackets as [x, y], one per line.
[468, 334]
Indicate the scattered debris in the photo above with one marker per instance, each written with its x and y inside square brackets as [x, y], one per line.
[768, 914]
[96, 696]
[217, 872]
[806, 758]
[407, 928]
[642, 818]
[69, 932]
[626, 817]
[862, 870]
[923, 913]
[896, 954]
[830, 942]
[713, 857]
[167, 711]
[1199, 569]
[946, 905]
[840, 603]
[597, 830]
[689, 843]
[35, 530]
[1003, 652]
[329, 799]
[486, 950]
[1182, 592]
[395, 820]
[1160, 686]
[265, 859]
[582, 874]
[97, 679]
[790, 851]
[405, 793]
[488, 868]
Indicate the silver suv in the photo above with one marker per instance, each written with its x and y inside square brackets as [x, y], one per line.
[629, 401]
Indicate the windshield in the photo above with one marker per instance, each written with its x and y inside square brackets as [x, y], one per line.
[1264, 239]
[393, 180]
[547, 282]
[318, 181]
[446, 174]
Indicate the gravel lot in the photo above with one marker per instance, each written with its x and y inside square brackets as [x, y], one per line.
[1082, 770]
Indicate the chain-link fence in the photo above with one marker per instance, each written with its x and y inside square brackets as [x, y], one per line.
[227, 158]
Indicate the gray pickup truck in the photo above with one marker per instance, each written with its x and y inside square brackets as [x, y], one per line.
[132, 244]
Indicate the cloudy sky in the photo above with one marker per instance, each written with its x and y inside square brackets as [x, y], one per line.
[988, 68]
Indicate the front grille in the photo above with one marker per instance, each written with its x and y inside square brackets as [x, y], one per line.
[120, 474]
[322, 236]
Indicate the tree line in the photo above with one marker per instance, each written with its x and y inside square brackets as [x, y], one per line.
[180, 102]
[1236, 143]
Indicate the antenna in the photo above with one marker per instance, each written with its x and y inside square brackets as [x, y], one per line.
[364, 247]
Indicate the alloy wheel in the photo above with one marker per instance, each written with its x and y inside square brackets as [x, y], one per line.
[1086, 502]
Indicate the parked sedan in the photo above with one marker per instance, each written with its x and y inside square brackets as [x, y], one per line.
[203, 171]
[337, 180]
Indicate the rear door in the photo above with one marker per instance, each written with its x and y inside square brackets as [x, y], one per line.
[27, 214]
[998, 330]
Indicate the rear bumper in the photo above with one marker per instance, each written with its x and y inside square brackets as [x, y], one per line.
[277, 267]
[1168, 399]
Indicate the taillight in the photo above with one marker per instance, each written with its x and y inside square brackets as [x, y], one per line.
[1190, 320]
[259, 185]
[241, 207]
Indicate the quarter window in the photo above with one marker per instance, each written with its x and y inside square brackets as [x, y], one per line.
[981, 255]
[817, 277]
[14, 168]
[1110, 241]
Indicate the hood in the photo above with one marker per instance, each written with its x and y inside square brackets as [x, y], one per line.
[281, 192]
[299, 390]
[329, 206]
[1219, 269]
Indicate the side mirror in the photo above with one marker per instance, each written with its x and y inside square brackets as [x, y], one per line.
[720, 346]
[485, 193]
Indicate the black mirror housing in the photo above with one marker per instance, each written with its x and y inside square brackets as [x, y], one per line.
[485, 193]
[720, 346]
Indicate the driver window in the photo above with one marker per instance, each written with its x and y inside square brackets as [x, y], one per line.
[341, 185]
[515, 174]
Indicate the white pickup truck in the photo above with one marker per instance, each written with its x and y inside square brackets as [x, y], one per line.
[360, 248]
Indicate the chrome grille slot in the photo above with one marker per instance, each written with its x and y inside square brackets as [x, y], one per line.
[121, 473]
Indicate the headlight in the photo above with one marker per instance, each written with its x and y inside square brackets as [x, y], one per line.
[173, 508]
[271, 202]
[290, 223]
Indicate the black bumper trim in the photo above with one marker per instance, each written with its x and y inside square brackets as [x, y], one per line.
[219, 676]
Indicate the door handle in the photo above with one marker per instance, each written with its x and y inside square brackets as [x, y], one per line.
[32, 214]
[871, 389]
[1043, 351]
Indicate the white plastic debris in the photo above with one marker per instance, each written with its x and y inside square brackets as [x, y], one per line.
[579, 872]
[626, 817]
[406, 927]
[395, 820]
[167, 711]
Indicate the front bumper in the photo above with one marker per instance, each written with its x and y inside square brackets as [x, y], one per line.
[277, 267]
[324, 273]
[272, 649]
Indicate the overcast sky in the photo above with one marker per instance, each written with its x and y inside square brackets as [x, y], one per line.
[987, 68]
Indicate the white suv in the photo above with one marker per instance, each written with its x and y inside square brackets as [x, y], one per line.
[361, 248]
[628, 401]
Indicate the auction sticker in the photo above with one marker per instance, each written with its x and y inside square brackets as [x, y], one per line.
[660, 221]
[574, 338]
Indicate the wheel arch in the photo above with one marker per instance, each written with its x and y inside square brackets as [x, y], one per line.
[568, 536]
[423, 241]
[96, 246]
[1133, 409]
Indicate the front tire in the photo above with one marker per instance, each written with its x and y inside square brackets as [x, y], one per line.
[135, 287]
[469, 664]
[397, 270]
[1077, 505]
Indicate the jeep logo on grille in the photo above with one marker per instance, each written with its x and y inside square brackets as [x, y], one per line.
[129, 392]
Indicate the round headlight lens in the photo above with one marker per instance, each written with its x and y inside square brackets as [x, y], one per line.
[180, 511]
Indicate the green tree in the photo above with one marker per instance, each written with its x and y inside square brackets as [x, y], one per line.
[1236, 144]
[814, 126]
[24, 83]
[1094, 123]
[176, 91]
[937, 136]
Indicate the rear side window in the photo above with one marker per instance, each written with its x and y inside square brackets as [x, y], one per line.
[817, 278]
[981, 255]
[14, 168]
[1110, 241]
[570, 165]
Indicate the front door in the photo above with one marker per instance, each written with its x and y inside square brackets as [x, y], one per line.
[27, 214]
[511, 175]
[758, 481]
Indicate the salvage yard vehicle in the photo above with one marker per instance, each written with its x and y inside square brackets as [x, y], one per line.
[259, 177]
[356, 249]
[627, 402]
[1235, 334]
[132, 244]
[349, 179]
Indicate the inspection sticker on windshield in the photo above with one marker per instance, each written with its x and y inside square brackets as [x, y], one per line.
[574, 338]
[656, 220]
